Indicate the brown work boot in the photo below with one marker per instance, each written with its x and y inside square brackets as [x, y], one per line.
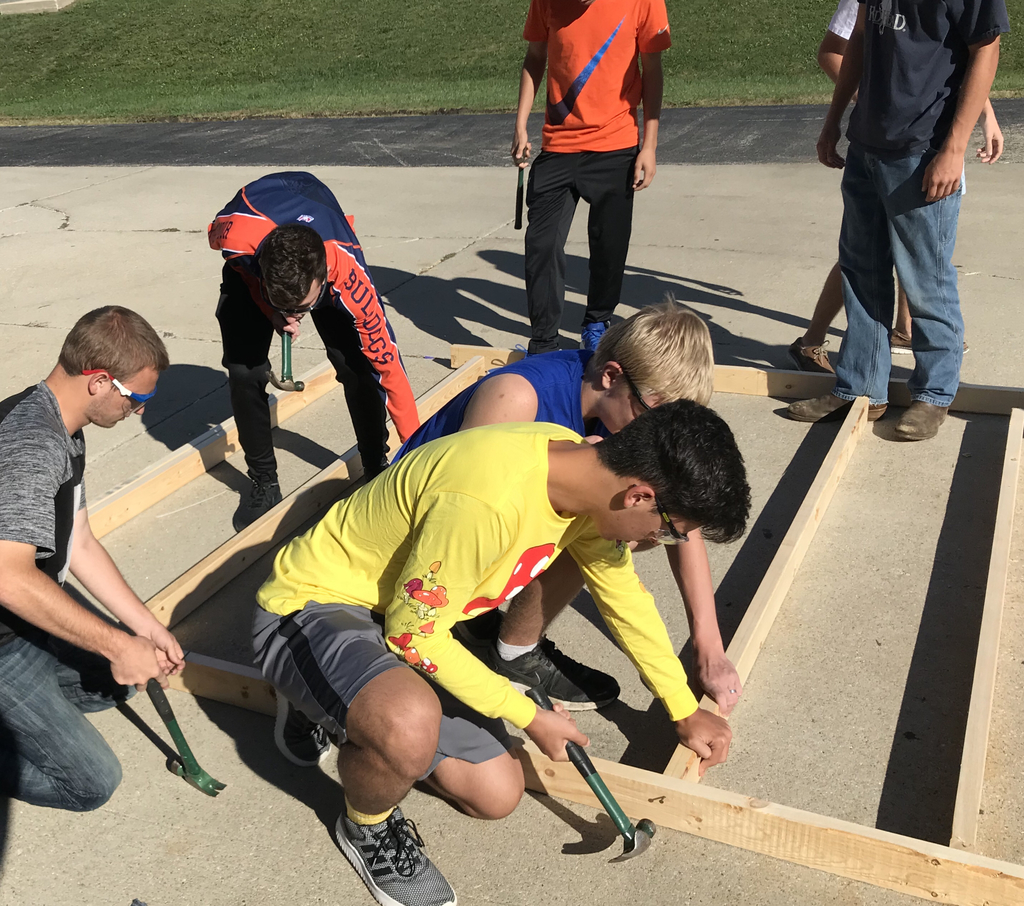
[900, 344]
[810, 358]
[921, 421]
[828, 408]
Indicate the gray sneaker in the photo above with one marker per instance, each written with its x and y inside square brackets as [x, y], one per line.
[300, 740]
[390, 859]
[575, 686]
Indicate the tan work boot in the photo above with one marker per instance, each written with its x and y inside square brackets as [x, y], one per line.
[921, 421]
[828, 408]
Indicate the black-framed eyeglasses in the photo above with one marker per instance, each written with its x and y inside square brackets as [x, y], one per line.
[669, 534]
[296, 312]
[636, 392]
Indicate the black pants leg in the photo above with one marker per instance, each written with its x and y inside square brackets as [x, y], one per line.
[551, 199]
[605, 181]
[363, 393]
[246, 334]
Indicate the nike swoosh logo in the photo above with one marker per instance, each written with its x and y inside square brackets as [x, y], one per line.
[559, 112]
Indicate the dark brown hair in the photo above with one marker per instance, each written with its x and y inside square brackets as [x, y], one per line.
[291, 258]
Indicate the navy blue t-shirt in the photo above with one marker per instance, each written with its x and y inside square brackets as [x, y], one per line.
[557, 378]
[915, 58]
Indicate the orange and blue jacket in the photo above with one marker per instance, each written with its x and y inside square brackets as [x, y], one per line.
[238, 231]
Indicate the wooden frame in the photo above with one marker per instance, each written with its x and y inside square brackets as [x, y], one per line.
[939, 873]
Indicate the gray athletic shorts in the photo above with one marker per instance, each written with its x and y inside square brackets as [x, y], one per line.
[321, 656]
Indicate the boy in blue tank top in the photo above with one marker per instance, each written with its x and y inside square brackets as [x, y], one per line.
[662, 353]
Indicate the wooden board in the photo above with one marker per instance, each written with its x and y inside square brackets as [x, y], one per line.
[209, 575]
[222, 681]
[978, 398]
[936, 873]
[764, 607]
[972, 764]
[198, 456]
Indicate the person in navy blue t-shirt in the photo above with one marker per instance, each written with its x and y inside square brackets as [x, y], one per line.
[922, 73]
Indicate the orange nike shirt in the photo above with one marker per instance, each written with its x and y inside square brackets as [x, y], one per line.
[593, 83]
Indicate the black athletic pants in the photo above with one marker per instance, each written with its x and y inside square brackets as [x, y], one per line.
[246, 334]
[557, 183]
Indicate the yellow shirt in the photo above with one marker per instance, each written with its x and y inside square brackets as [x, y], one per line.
[453, 530]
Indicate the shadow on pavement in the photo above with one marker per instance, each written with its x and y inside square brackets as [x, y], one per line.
[919, 791]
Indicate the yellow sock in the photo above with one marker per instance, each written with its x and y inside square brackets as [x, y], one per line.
[362, 819]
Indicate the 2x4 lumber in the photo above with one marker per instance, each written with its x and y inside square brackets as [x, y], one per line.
[979, 717]
[764, 607]
[916, 867]
[222, 681]
[213, 572]
[494, 357]
[977, 398]
[198, 456]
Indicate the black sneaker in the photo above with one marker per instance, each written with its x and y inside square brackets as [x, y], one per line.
[263, 497]
[390, 859]
[567, 682]
[480, 633]
[300, 740]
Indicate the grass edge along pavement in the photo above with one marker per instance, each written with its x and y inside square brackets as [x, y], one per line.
[142, 60]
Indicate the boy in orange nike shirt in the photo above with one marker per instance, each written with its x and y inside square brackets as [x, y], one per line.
[603, 60]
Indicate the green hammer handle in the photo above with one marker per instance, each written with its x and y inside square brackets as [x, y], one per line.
[163, 708]
[585, 766]
[286, 357]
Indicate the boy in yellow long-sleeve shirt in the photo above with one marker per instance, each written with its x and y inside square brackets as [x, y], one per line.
[453, 530]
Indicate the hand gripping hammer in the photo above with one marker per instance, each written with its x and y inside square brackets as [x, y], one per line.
[636, 838]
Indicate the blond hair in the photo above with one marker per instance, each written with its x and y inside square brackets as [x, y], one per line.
[113, 339]
[666, 351]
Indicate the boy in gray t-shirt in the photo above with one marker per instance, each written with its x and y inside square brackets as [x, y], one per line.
[58, 659]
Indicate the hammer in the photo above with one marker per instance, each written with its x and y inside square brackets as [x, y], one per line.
[285, 382]
[188, 768]
[635, 839]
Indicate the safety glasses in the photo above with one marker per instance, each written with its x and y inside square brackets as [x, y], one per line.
[139, 399]
[636, 391]
[669, 534]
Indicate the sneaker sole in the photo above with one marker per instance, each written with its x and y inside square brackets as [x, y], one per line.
[279, 722]
[350, 852]
[568, 705]
[901, 350]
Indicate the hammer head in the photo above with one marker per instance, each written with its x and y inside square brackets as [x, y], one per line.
[290, 385]
[641, 841]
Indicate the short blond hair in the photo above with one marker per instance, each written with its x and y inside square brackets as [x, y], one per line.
[113, 339]
[666, 351]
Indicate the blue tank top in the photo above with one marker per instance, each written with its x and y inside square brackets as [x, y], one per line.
[556, 377]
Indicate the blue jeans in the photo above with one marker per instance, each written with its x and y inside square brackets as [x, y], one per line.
[49, 753]
[886, 221]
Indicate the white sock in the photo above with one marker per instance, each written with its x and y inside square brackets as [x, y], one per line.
[510, 652]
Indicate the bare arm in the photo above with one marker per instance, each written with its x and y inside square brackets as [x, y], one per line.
[846, 87]
[505, 398]
[653, 92]
[942, 176]
[93, 567]
[717, 675]
[29, 593]
[534, 63]
[992, 150]
[831, 51]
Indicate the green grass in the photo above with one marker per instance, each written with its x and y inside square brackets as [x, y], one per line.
[126, 60]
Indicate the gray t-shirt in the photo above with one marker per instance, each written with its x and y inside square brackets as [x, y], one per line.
[41, 485]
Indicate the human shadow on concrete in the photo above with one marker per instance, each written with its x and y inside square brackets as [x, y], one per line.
[919, 790]
[650, 738]
[190, 400]
[254, 740]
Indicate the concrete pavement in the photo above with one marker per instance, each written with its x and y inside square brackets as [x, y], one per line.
[854, 706]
